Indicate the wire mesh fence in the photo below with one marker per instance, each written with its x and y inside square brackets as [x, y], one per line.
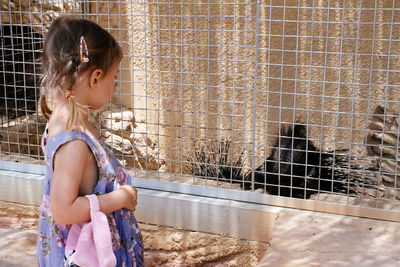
[290, 98]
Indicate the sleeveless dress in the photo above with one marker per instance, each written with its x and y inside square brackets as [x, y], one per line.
[126, 237]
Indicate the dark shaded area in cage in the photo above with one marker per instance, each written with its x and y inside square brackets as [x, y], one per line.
[19, 71]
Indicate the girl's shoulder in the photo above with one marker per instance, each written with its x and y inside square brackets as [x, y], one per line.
[57, 135]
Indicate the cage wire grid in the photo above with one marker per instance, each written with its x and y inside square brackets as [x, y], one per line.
[290, 98]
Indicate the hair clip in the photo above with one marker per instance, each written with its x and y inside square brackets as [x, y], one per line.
[68, 93]
[83, 45]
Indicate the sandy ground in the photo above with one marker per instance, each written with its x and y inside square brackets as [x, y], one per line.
[298, 238]
[305, 238]
[18, 231]
[164, 246]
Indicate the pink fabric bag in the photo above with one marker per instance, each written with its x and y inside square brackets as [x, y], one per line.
[92, 241]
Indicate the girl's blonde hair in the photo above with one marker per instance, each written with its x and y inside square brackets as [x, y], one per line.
[61, 59]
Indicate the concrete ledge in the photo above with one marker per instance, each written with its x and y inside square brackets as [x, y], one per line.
[210, 215]
[196, 213]
[20, 187]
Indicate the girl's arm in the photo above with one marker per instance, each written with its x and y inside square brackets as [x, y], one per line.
[66, 205]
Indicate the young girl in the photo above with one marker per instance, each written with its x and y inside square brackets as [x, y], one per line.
[81, 61]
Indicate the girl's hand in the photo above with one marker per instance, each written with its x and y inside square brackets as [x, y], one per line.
[130, 199]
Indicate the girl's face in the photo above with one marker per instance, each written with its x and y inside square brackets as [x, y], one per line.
[106, 87]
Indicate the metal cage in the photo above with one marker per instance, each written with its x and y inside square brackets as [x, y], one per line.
[290, 103]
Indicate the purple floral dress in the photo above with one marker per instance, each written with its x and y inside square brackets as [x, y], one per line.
[126, 237]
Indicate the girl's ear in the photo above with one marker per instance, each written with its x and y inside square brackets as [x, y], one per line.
[95, 77]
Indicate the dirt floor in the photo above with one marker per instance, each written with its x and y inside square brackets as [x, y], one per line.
[165, 246]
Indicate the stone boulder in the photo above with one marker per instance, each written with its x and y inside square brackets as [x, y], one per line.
[129, 139]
